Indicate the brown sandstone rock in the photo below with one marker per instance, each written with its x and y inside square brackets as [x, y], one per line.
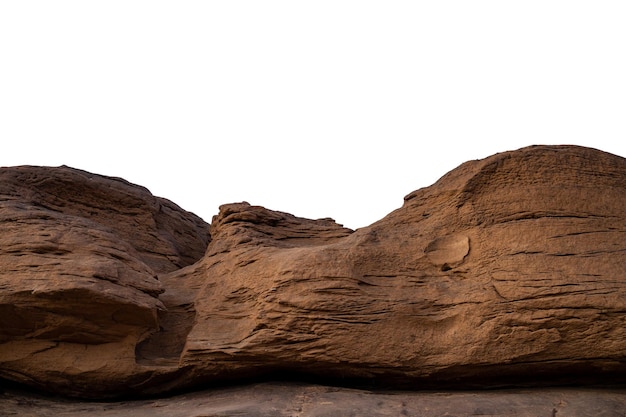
[306, 400]
[165, 237]
[79, 259]
[508, 269]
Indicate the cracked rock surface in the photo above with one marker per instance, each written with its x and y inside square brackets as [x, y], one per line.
[507, 271]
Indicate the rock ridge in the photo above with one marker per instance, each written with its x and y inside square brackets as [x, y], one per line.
[80, 259]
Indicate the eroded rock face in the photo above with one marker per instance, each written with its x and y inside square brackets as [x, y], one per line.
[508, 269]
[80, 256]
[304, 400]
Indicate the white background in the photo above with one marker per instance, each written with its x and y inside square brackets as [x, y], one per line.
[318, 108]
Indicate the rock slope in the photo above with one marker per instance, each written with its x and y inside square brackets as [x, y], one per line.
[508, 270]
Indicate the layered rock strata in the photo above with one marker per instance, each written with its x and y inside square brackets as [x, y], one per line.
[304, 400]
[80, 256]
[508, 269]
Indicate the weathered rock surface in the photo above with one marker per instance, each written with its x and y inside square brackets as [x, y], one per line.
[79, 260]
[303, 400]
[507, 271]
[507, 268]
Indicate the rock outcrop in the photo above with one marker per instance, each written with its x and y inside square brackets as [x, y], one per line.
[80, 256]
[508, 270]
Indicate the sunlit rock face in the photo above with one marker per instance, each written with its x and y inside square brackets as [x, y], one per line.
[509, 270]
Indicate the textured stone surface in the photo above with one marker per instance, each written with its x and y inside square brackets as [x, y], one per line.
[299, 400]
[507, 271]
[80, 256]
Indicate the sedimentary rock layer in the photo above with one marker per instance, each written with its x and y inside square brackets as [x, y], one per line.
[80, 256]
[510, 269]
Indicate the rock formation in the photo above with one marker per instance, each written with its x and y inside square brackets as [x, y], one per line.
[80, 256]
[289, 399]
[508, 270]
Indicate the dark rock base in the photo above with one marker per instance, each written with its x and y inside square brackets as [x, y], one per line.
[292, 399]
